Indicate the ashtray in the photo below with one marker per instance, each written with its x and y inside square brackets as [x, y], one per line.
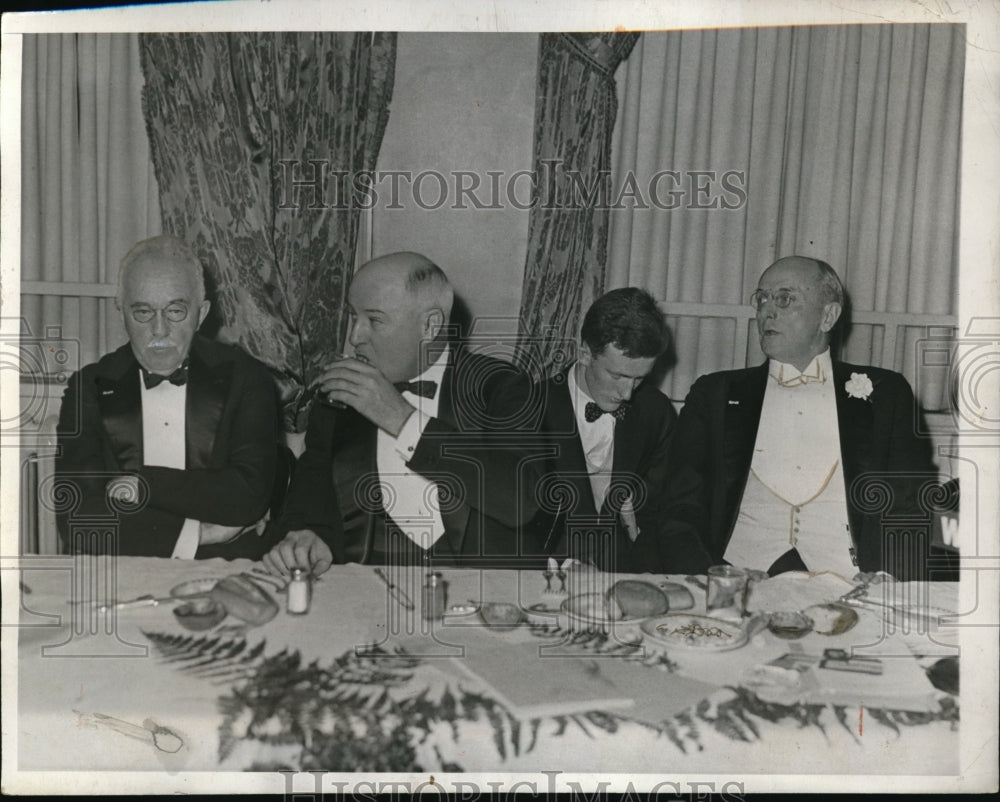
[832, 618]
[199, 614]
[789, 626]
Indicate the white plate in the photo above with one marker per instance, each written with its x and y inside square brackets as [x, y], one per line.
[696, 632]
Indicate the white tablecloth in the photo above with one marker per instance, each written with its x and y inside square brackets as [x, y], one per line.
[360, 685]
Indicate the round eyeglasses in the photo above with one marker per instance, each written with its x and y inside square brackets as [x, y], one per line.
[781, 298]
[175, 313]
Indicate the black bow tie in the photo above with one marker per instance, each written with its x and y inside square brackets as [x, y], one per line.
[424, 388]
[592, 412]
[178, 377]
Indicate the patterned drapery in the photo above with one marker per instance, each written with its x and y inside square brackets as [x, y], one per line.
[575, 110]
[259, 140]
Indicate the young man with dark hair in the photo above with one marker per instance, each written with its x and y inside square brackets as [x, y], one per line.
[607, 433]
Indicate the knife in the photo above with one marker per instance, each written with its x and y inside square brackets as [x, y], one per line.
[394, 590]
[142, 601]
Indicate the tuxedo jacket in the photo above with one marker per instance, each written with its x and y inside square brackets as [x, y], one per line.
[231, 436]
[335, 489]
[885, 466]
[567, 520]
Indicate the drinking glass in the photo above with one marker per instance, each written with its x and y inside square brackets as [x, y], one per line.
[726, 592]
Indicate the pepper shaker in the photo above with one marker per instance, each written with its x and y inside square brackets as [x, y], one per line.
[434, 594]
[299, 592]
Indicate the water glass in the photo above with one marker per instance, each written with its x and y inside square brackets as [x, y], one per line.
[726, 592]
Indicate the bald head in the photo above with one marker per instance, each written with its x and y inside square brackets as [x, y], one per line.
[424, 280]
[798, 301]
[397, 302]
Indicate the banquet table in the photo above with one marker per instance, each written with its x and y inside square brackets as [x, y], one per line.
[361, 683]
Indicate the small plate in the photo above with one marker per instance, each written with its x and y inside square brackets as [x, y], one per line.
[545, 607]
[199, 614]
[695, 632]
[789, 625]
[193, 588]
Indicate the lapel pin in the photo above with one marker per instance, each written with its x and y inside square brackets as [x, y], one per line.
[734, 403]
[107, 392]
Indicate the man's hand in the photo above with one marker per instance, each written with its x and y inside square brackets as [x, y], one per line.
[301, 548]
[363, 387]
[124, 488]
[628, 519]
[209, 534]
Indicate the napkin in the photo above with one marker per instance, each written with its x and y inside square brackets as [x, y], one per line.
[532, 684]
[796, 590]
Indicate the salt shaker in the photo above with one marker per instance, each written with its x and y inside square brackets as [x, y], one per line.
[299, 592]
[434, 596]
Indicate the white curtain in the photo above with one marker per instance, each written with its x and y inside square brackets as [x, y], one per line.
[88, 192]
[847, 138]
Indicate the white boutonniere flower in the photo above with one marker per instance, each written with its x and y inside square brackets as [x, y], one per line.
[859, 386]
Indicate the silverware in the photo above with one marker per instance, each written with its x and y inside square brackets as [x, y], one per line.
[394, 590]
[921, 613]
[163, 738]
[142, 601]
[694, 580]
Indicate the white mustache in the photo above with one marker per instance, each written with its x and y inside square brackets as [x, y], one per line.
[159, 344]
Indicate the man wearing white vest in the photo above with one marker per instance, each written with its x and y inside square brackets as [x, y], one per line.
[804, 462]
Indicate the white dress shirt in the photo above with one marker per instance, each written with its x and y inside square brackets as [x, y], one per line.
[163, 444]
[597, 439]
[410, 500]
[795, 492]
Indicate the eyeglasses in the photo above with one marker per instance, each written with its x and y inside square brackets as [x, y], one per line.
[781, 298]
[175, 313]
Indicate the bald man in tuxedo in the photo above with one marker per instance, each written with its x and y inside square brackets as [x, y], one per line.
[394, 468]
[801, 463]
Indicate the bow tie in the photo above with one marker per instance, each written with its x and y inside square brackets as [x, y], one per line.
[801, 379]
[178, 377]
[592, 412]
[424, 388]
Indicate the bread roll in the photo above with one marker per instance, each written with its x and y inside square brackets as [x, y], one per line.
[638, 599]
[244, 599]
